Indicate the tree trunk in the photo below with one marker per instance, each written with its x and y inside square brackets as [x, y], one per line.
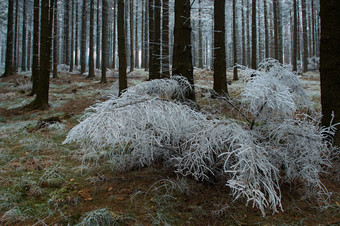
[114, 34]
[165, 40]
[98, 36]
[132, 57]
[329, 64]
[155, 72]
[76, 38]
[295, 31]
[72, 39]
[305, 40]
[105, 21]
[254, 37]
[55, 44]
[83, 39]
[16, 38]
[35, 61]
[182, 58]
[266, 32]
[41, 100]
[234, 41]
[9, 46]
[220, 77]
[121, 47]
[244, 32]
[66, 32]
[91, 57]
[23, 59]
[276, 36]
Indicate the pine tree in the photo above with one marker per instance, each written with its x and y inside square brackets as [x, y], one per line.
[121, 47]
[9, 46]
[91, 60]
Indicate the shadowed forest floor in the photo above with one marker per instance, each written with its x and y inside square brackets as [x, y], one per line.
[42, 181]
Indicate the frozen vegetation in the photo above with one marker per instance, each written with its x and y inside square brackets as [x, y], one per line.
[275, 143]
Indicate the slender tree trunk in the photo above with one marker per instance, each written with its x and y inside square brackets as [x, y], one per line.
[305, 40]
[16, 38]
[83, 39]
[35, 61]
[72, 39]
[136, 52]
[329, 64]
[280, 32]
[9, 46]
[77, 37]
[121, 47]
[132, 57]
[249, 33]
[55, 40]
[254, 37]
[276, 36]
[165, 41]
[114, 34]
[294, 47]
[23, 59]
[234, 41]
[182, 58]
[91, 56]
[147, 35]
[143, 35]
[29, 46]
[244, 44]
[98, 36]
[105, 21]
[151, 39]
[220, 77]
[266, 29]
[156, 31]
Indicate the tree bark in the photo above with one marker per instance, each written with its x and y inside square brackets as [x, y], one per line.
[9, 46]
[305, 38]
[66, 32]
[295, 31]
[266, 32]
[76, 38]
[165, 40]
[234, 41]
[98, 36]
[220, 77]
[182, 58]
[55, 40]
[105, 21]
[91, 57]
[121, 47]
[254, 37]
[35, 61]
[23, 59]
[329, 64]
[132, 56]
[16, 38]
[83, 39]
[72, 39]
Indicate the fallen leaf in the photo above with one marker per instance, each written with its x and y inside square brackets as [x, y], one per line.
[110, 189]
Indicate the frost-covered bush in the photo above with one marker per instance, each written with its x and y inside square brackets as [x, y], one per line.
[274, 144]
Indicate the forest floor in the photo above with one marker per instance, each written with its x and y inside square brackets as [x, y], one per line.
[42, 181]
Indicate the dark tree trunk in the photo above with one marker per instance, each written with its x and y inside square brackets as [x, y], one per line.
[41, 100]
[152, 41]
[165, 40]
[83, 39]
[266, 32]
[254, 37]
[234, 41]
[143, 35]
[77, 37]
[114, 34]
[330, 67]
[276, 36]
[55, 40]
[9, 46]
[91, 57]
[35, 61]
[72, 39]
[29, 46]
[220, 77]
[305, 40]
[67, 32]
[23, 59]
[98, 36]
[182, 58]
[16, 38]
[105, 6]
[147, 35]
[295, 31]
[244, 44]
[132, 56]
[200, 36]
[121, 47]
[155, 72]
